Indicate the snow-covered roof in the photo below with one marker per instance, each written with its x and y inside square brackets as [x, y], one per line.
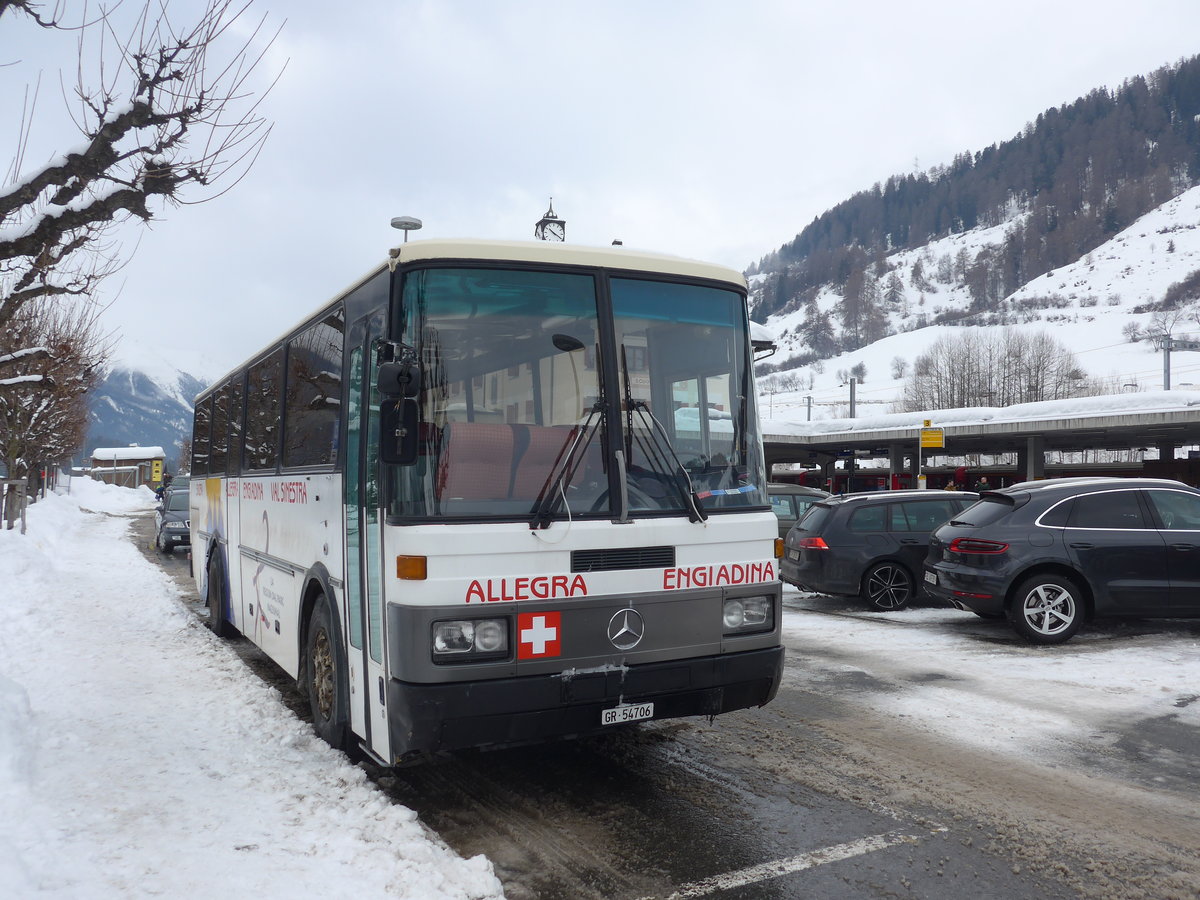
[759, 332]
[128, 453]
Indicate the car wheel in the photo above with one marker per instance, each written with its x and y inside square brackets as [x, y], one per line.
[1047, 609]
[217, 623]
[887, 586]
[161, 544]
[325, 677]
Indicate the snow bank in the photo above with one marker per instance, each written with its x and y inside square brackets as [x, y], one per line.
[139, 756]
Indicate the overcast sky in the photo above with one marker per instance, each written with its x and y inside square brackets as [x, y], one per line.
[713, 130]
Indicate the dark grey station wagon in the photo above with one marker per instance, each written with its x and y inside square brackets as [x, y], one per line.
[870, 545]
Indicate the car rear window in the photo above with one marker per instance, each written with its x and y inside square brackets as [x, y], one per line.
[984, 512]
[814, 519]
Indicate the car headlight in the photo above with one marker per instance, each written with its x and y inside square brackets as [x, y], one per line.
[747, 614]
[464, 640]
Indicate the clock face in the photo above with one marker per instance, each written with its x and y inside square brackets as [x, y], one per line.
[554, 231]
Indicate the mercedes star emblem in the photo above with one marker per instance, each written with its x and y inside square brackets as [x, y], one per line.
[625, 629]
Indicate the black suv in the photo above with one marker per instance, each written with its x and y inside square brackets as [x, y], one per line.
[1050, 554]
[868, 545]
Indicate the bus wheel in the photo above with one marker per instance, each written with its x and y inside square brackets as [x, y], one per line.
[218, 624]
[325, 677]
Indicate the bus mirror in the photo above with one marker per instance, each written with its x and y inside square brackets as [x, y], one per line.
[398, 429]
[401, 378]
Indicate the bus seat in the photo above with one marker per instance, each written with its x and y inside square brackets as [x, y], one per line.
[476, 462]
[540, 448]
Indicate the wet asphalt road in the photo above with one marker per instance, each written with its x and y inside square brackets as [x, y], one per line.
[806, 797]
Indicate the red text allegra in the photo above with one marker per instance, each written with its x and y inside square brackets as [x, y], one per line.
[539, 587]
[718, 575]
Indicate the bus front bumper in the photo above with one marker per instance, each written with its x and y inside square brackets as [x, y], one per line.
[428, 718]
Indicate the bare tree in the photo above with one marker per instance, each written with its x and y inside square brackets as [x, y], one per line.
[46, 421]
[1165, 321]
[162, 112]
[978, 368]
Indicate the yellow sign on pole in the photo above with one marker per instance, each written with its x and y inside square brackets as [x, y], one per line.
[156, 470]
[933, 438]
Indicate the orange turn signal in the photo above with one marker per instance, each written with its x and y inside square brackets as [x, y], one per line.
[411, 568]
[779, 548]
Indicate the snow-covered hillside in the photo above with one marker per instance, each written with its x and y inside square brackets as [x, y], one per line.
[1086, 305]
[150, 407]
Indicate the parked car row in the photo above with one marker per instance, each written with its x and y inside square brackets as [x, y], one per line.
[1046, 555]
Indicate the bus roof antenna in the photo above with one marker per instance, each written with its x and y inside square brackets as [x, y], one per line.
[406, 224]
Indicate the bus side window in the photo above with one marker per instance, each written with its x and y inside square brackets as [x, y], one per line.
[314, 384]
[262, 412]
[200, 437]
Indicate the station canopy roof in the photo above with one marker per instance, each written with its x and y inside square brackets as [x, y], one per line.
[1115, 422]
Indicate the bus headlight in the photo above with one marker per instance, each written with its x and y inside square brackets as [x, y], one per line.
[462, 640]
[746, 614]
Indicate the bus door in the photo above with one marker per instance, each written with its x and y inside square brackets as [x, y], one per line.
[364, 581]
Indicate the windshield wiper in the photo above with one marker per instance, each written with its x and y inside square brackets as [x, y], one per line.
[564, 469]
[654, 448]
[659, 445]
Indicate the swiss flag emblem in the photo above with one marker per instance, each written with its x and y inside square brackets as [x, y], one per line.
[539, 635]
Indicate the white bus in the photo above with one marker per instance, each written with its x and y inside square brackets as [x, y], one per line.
[494, 493]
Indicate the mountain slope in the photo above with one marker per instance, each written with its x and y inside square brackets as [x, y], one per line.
[133, 406]
[1079, 174]
[1088, 305]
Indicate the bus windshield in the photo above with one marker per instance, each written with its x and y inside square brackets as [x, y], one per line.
[517, 415]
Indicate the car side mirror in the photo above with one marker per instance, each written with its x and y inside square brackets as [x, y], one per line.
[399, 424]
[399, 378]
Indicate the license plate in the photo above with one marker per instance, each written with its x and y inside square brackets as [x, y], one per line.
[931, 577]
[794, 554]
[632, 713]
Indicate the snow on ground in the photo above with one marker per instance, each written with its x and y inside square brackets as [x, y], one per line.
[1041, 701]
[139, 756]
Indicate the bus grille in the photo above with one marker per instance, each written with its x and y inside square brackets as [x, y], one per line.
[626, 558]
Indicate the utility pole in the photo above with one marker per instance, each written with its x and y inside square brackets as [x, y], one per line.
[1166, 344]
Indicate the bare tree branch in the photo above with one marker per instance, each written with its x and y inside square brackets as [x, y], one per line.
[168, 115]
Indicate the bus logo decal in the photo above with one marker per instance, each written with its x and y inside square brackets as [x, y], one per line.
[539, 635]
[718, 575]
[626, 628]
[541, 587]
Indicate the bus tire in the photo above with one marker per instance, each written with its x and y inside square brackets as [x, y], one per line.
[325, 677]
[218, 609]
